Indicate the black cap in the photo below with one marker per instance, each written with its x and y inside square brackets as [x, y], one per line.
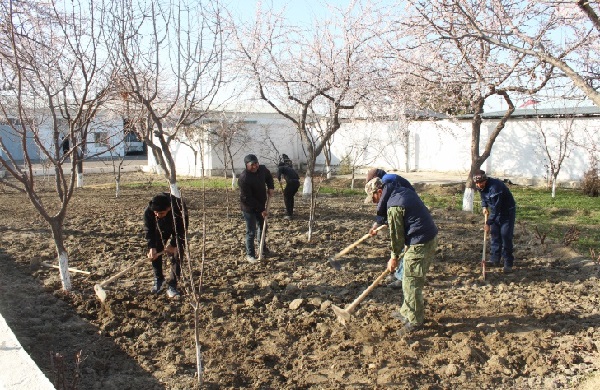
[250, 159]
[160, 202]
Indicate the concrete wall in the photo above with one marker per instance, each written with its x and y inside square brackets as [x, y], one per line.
[444, 146]
[402, 146]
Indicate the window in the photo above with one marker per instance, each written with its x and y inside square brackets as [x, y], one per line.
[101, 139]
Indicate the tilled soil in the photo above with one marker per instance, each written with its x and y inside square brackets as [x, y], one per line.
[271, 325]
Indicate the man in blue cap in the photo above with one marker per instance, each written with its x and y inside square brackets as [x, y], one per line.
[411, 226]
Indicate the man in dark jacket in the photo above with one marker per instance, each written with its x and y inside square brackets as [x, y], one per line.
[292, 181]
[394, 280]
[166, 219]
[254, 182]
[499, 207]
[410, 225]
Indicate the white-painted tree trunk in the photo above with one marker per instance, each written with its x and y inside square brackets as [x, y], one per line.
[468, 199]
[117, 188]
[80, 180]
[307, 189]
[175, 190]
[63, 264]
[553, 186]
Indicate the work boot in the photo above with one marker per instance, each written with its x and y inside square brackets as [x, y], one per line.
[409, 329]
[400, 317]
[287, 217]
[492, 264]
[172, 292]
[396, 284]
[157, 287]
[507, 269]
[251, 259]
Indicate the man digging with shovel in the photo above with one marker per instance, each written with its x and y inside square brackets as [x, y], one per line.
[165, 218]
[410, 224]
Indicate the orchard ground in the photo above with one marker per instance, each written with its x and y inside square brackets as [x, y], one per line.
[271, 325]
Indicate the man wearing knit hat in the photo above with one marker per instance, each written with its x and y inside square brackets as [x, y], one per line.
[411, 225]
[166, 219]
[256, 184]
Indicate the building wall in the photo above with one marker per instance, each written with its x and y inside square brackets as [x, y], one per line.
[444, 146]
[265, 135]
[440, 146]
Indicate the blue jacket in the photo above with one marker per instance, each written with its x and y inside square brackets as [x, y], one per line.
[393, 178]
[498, 198]
[419, 227]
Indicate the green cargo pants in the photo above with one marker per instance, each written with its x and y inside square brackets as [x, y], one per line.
[417, 261]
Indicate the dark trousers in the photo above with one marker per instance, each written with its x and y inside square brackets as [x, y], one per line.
[288, 196]
[252, 231]
[157, 267]
[501, 240]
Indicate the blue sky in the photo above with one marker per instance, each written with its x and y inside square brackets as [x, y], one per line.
[296, 10]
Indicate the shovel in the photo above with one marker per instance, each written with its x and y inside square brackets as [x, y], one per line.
[343, 315]
[263, 234]
[483, 254]
[99, 288]
[335, 263]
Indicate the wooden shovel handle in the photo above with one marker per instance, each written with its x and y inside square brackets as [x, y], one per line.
[356, 243]
[123, 272]
[263, 233]
[350, 308]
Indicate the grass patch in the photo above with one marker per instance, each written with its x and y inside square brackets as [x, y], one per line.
[210, 182]
[536, 207]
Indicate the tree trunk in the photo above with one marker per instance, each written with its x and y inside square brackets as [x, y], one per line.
[308, 179]
[199, 369]
[468, 198]
[63, 257]
[175, 190]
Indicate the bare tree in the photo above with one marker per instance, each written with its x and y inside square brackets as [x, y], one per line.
[441, 49]
[564, 34]
[229, 133]
[58, 83]
[556, 142]
[170, 56]
[316, 74]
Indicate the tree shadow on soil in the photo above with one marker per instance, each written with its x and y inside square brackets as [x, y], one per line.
[45, 325]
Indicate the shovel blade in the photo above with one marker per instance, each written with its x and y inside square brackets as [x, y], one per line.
[335, 264]
[100, 293]
[341, 314]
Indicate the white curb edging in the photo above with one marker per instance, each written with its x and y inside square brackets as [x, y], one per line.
[18, 371]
